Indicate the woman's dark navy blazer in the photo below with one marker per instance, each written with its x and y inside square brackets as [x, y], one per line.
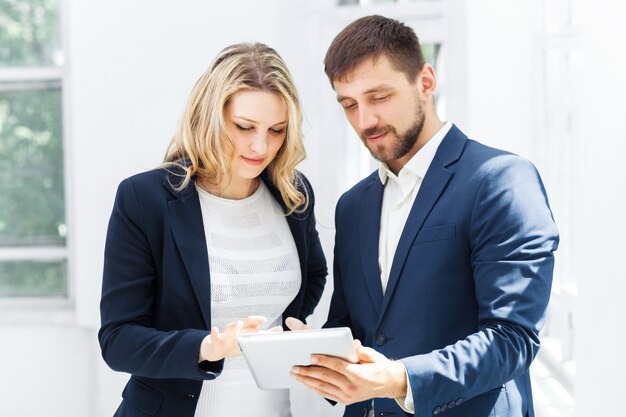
[156, 303]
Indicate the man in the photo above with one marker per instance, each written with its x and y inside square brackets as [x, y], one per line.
[443, 257]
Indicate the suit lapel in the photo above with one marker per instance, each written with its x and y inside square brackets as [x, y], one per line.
[369, 230]
[188, 231]
[433, 185]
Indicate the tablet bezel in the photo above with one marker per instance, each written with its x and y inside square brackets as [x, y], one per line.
[271, 355]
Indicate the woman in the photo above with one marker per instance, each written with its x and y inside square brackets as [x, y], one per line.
[222, 236]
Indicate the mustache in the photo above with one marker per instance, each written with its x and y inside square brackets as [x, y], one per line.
[376, 131]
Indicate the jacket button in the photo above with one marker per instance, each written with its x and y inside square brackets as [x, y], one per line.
[381, 339]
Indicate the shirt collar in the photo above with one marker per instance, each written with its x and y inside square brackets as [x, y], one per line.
[419, 163]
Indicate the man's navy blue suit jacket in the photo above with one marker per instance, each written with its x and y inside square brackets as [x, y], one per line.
[469, 283]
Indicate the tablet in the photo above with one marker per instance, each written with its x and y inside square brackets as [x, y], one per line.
[270, 356]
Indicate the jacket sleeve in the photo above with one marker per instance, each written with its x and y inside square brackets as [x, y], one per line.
[316, 261]
[128, 339]
[512, 238]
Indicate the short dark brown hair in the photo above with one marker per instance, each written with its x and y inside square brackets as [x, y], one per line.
[372, 37]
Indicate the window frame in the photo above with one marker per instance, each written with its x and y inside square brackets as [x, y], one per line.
[429, 17]
[557, 158]
[38, 308]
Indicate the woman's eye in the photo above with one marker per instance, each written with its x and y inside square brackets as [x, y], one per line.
[278, 131]
[243, 128]
[349, 106]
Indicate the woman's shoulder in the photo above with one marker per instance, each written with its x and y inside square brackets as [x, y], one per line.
[146, 179]
[160, 180]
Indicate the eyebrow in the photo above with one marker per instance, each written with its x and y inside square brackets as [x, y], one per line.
[254, 121]
[375, 89]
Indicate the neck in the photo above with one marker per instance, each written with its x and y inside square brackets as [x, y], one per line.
[231, 188]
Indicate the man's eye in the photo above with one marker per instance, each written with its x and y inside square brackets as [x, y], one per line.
[243, 128]
[349, 106]
[382, 98]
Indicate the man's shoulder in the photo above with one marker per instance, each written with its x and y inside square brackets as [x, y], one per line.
[358, 191]
[485, 158]
[480, 151]
[486, 164]
[364, 184]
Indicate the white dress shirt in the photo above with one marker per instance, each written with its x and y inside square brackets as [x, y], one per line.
[398, 197]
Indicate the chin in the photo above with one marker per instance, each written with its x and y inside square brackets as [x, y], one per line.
[250, 174]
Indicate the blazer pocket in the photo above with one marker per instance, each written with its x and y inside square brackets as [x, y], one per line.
[432, 234]
[142, 397]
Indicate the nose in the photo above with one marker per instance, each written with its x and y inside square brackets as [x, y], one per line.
[366, 118]
[259, 144]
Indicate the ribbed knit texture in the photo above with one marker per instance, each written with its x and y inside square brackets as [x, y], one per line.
[255, 270]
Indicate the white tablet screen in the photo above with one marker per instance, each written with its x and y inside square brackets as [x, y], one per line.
[270, 356]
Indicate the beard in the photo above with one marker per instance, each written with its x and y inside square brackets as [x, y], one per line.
[403, 143]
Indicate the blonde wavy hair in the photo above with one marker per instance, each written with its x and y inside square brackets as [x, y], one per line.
[202, 147]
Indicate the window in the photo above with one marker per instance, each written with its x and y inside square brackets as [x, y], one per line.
[559, 154]
[426, 17]
[376, 2]
[33, 229]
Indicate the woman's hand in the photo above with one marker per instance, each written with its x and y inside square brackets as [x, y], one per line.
[218, 345]
[295, 324]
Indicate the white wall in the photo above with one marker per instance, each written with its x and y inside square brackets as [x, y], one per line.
[599, 252]
[132, 65]
[46, 370]
[489, 63]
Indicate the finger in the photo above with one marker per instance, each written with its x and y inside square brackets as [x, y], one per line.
[322, 374]
[253, 322]
[295, 324]
[256, 319]
[369, 355]
[232, 329]
[322, 387]
[233, 324]
[275, 329]
[215, 335]
[336, 364]
[326, 395]
[321, 393]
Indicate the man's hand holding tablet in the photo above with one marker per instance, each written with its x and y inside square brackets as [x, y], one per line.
[374, 376]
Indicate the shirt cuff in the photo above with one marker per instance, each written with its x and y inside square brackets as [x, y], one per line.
[406, 403]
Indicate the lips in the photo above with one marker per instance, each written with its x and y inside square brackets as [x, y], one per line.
[376, 138]
[253, 161]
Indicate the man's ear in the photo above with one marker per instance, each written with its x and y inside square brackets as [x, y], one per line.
[427, 82]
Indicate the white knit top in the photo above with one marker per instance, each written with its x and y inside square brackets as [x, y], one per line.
[255, 270]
